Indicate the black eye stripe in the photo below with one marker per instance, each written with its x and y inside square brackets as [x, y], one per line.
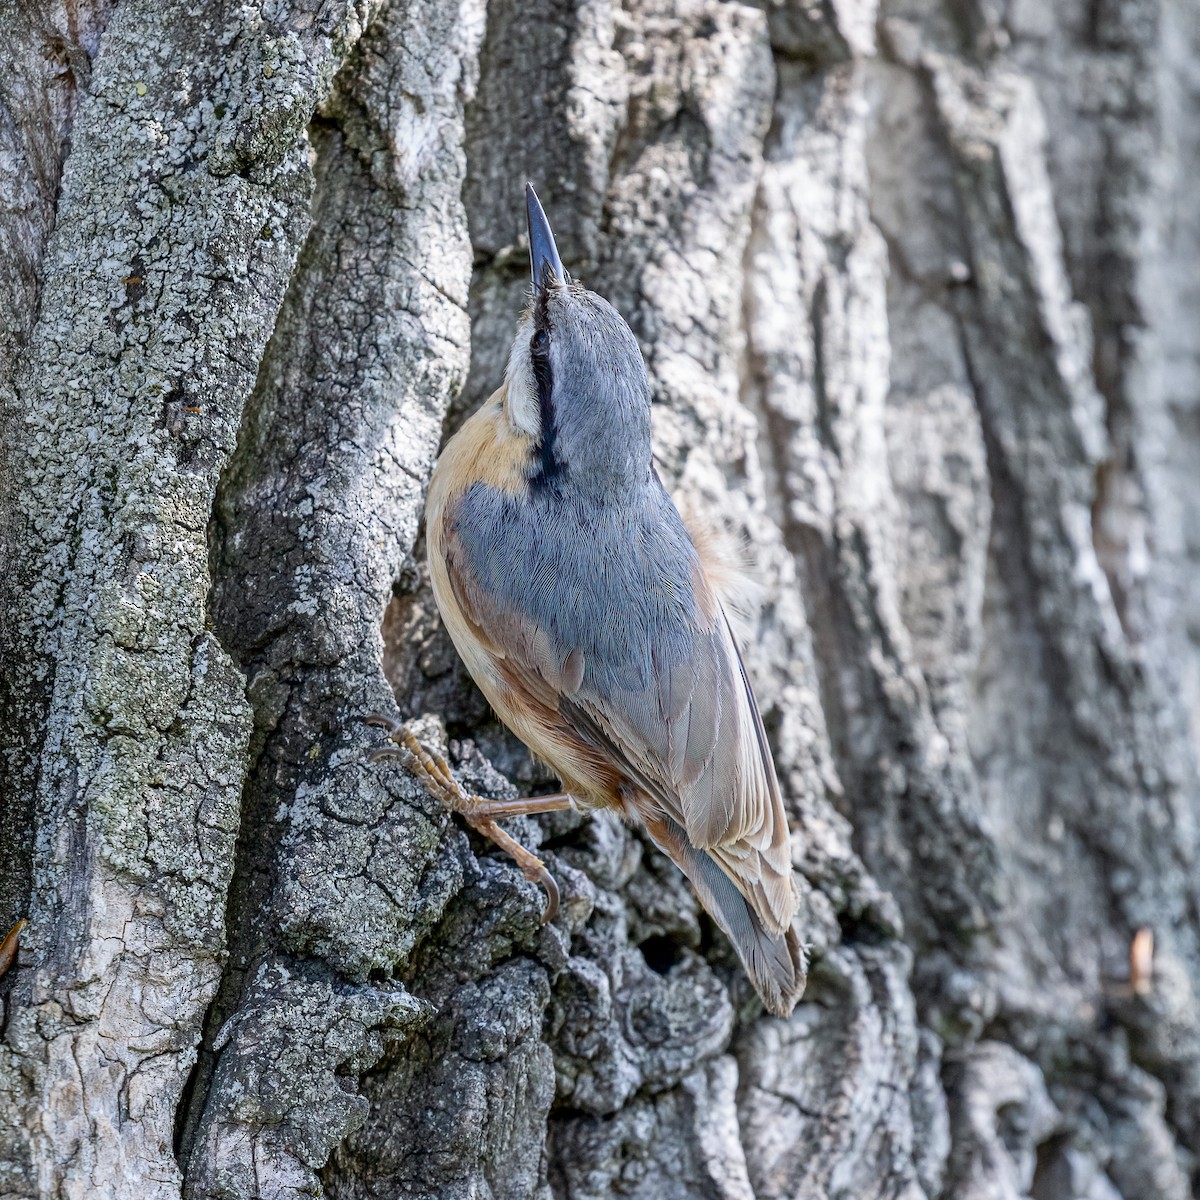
[543, 376]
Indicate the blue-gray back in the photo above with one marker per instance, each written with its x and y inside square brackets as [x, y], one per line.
[614, 580]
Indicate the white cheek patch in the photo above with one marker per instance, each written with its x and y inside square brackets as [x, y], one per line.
[520, 387]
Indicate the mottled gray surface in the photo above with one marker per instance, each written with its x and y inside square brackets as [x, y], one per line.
[916, 284]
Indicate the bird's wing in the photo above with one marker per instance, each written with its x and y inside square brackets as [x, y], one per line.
[684, 727]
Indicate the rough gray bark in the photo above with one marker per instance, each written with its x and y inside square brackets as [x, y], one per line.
[916, 286]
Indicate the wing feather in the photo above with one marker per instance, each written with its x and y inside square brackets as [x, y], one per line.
[688, 734]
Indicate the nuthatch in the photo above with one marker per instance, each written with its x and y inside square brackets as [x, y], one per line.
[592, 623]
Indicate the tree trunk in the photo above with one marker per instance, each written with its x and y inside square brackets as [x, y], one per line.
[916, 287]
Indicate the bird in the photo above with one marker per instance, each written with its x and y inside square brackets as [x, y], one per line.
[592, 620]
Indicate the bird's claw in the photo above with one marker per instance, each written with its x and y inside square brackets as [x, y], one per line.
[435, 773]
[383, 721]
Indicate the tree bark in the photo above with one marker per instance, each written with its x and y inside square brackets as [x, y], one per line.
[915, 283]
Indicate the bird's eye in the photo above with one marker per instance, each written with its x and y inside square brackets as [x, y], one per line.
[539, 345]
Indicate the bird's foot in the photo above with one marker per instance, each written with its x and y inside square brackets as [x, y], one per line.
[480, 813]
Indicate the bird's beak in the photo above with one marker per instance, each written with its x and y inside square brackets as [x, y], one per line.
[543, 253]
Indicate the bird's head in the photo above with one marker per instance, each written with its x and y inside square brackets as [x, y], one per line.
[576, 385]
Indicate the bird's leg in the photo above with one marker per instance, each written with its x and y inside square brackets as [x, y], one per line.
[480, 813]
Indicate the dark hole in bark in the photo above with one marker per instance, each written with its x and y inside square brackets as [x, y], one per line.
[1052, 1174]
[861, 929]
[660, 953]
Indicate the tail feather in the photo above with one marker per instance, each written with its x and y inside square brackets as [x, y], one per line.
[774, 962]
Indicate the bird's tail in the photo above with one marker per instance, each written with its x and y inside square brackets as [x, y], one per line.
[774, 962]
